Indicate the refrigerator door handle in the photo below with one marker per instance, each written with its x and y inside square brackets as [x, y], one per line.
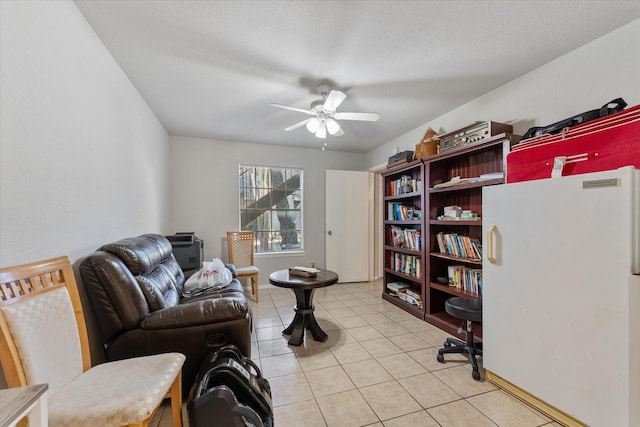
[490, 253]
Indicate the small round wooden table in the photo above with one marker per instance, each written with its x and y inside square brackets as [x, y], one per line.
[303, 288]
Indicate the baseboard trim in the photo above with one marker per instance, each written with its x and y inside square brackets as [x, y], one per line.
[549, 410]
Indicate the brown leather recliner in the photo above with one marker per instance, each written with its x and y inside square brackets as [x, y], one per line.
[135, 287]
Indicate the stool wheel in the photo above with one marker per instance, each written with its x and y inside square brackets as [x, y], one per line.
[440, 357]
[475, 375]
[447, 344]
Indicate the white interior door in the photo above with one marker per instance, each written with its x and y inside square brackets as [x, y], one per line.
[348, 225]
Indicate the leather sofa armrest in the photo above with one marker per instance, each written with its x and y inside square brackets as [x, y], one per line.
[232, 267]
[215, 309]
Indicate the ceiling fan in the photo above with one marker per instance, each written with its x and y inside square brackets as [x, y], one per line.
[325, 116]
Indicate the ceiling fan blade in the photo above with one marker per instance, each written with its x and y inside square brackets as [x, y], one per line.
[333, 127]
[299, 124]
[322, 131]
[367, 117]
[311, 113]
[334, 99]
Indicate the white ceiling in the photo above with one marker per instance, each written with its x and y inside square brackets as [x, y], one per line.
[209, 69]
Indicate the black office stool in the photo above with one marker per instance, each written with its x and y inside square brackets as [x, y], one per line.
[469, 309]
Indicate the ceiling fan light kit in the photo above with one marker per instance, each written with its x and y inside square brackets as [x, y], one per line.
[325, 120]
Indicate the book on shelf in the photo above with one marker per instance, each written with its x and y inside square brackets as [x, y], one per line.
[403, 185]
[460, 246]
[465, 278]
[303, 271]
[396, 288]
[406, 238]
[400, 212]
[406, 264]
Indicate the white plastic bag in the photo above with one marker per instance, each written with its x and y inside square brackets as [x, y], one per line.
[212, 275]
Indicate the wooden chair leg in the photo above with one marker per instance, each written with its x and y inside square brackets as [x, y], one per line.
[176, 400]
[254, 286]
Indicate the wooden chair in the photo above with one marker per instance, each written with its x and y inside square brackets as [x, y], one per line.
[240, 245]
[44, 340]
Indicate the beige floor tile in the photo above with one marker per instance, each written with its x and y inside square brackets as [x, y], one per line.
[390, 329]
[316, 359]
[381, 347]
[329, 381]
[346, 409]
[415, 325]
[364, 309]
[389, 400]
[329, 304]
[274, 347]
[376, 318]
[401, 365]
[349, 353]
[435, 337]
[280, 365]
[460, 380]
[340, 313]
[428, 390]
[339, 337]
[270, 333]
[351, 322]
[264, 311]
[300, 414]
[507, 411]
[366, 372]
[417, 419]
[290, 389]
[409, 342]
[364, 333]
[265, 322]
[459, 414]
[428, 358]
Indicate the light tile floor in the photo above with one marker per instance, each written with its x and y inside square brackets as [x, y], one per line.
[377, 368]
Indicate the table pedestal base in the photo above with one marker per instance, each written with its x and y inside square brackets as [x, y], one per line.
[304, 319]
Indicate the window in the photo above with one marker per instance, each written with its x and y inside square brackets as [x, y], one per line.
[271, 207]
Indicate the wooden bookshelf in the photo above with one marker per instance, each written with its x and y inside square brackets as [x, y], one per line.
[404, 259]
[468, 163]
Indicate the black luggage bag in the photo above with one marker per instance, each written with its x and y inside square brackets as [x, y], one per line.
[614, 106]
[229, 390]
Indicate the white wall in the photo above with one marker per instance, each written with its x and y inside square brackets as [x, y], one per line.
[581, 80]
[205, 194]
[83, 160]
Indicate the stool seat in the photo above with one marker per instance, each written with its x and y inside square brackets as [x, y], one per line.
[464, 308]
[470, 310]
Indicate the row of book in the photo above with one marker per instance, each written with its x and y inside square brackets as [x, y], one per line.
[465, 279]
[400, 212]
[406, 264]
[460, 246]
[405, 293]
[404, 185]
[406, 238]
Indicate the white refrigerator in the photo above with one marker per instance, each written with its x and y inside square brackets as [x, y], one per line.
[561, 296]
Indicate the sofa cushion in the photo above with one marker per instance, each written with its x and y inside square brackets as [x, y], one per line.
[150, 259]
[141, 254]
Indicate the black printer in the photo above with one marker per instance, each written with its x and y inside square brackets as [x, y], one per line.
[188, 250]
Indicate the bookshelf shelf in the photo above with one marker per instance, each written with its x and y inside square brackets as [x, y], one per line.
[456, 258]
[453, 291]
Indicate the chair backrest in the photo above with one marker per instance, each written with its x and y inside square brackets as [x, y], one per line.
[44, 335]
[240, 244]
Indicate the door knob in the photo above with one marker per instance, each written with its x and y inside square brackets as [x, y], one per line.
[329, 233]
